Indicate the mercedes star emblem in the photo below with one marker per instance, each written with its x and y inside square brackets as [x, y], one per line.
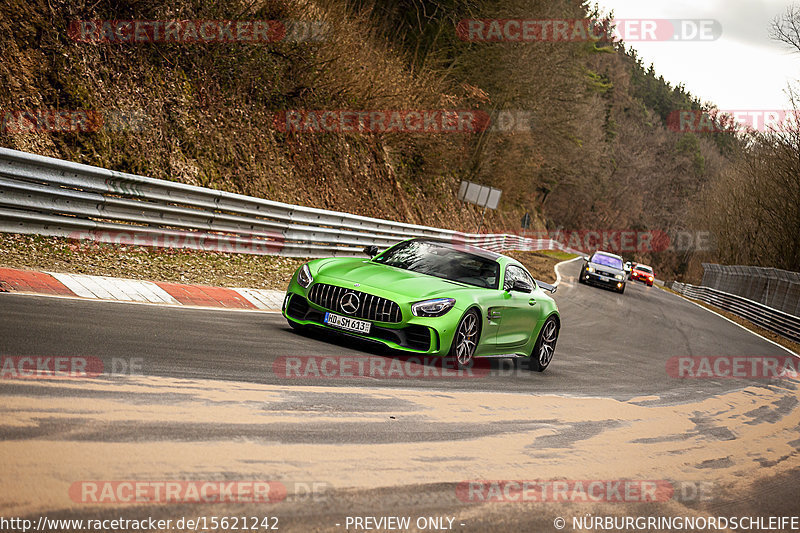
[349, 303]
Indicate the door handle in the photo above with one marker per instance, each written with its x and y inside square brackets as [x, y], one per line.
[532, 301]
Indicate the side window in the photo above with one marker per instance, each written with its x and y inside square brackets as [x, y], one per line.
[514, 273]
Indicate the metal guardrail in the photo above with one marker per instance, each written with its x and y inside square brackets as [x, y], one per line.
[772, 319]
[53, 197]
[773, 287]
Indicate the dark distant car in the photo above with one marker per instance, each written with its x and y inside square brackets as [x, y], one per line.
[605, 269]
[644, 274]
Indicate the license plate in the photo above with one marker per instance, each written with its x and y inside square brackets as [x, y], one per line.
[345, 322]
[605, 278]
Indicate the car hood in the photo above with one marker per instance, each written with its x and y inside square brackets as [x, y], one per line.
[606, 268]
[402, 283]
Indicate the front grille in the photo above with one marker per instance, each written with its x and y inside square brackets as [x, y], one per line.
[414, 337]
[370, 307]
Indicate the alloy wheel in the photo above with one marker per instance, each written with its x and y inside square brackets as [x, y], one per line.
[548, 343]
[466, 339]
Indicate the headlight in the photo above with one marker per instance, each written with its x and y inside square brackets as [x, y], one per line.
[618, 276]
[436, 307]
[304, 277]
[589, 269]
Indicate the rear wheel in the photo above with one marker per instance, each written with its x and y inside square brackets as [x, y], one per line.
[466, 339]
[545, 345]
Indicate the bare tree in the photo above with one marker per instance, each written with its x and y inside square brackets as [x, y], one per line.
[786, 28]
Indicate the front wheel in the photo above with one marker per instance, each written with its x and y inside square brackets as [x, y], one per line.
[466, 339]
[545, 345]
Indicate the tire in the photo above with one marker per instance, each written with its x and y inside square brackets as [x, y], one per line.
[545, 345]
[580, 277]
[465, 341]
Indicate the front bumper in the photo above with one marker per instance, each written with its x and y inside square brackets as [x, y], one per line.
[405, 336]
[596, 279]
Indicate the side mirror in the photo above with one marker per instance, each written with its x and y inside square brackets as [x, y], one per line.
[546, 286]
[371, 251]
[521, 286]
[586, 258]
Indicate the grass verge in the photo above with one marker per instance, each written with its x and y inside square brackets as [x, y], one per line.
[541, 264]
[34, 252]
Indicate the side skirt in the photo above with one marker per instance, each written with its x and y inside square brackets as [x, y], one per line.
[502, 356]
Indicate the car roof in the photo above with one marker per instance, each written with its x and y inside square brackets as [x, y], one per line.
[474, 250]
[643, 265]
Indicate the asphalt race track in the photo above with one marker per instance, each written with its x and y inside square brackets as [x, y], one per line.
[610, 345]
[212, 380]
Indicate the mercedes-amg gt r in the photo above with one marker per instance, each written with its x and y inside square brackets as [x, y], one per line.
[430, 297]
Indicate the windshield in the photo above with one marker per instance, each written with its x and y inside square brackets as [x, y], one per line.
[644, 269]
[442, 261]
[607, 260]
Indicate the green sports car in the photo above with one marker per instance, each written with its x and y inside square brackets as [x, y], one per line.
[430, 297]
